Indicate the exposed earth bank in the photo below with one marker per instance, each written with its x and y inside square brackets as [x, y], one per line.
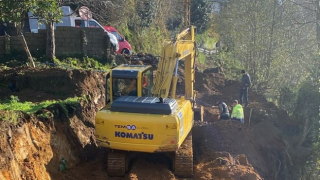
[34, 147]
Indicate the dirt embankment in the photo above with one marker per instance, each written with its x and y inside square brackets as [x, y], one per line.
[33, 148]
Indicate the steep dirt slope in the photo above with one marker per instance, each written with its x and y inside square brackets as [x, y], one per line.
[34, 147]
[265, 138]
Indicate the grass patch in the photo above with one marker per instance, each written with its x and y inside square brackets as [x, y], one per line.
[202, 58]
[11, 116]
[85, 63]
[207, 39]
[28, 107]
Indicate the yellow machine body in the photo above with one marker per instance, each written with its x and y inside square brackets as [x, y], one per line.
[144, 132]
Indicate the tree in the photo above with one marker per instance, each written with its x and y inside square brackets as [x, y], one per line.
[277, 42]
[14, 10]
[48, 12]
[200, 14]
[264, 38]
[307, 111]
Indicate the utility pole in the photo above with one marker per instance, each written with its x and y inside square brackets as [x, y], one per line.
[187, 5]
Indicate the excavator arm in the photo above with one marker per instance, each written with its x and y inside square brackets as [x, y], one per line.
[182, 48]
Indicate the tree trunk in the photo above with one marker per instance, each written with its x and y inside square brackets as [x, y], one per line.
[318, 22]
[269, 55]
[25, 46]
[50, 45]
[306, 127]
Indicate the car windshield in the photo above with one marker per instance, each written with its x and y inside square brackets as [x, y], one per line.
[93, 24]
[120, 38]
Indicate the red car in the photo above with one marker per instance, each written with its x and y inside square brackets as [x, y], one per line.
[124, 46]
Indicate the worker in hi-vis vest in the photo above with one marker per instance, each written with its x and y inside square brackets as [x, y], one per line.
[237, 112]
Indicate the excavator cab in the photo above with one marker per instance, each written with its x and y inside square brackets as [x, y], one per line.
[129, 80]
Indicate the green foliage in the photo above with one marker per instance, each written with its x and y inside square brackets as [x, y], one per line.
[149, 39]
[308, 101]
[45, 115]
[47, 10]
[124, 31]
[174, 22]
[200, 14]
[307, 111]
[86, 98]
[13, 10]
[64, 109]
[82, 63]
[288, 98]
[146, 9]
[90, 62]
[266, 45]
[11, 116]
[144, 23]
[13, 104]
[201, 58]
[230, 64]
[207, 39]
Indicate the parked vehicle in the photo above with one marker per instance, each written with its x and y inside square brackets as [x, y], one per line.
[124, 46]
[70, 21]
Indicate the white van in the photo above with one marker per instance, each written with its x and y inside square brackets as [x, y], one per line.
[71, 21]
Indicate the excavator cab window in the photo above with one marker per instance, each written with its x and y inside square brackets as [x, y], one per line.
[124, 87]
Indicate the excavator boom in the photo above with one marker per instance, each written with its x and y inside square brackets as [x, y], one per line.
[182, 48]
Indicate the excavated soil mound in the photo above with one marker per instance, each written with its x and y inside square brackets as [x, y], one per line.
[34, 148]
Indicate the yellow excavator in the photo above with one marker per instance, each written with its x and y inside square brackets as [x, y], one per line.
[144, 116]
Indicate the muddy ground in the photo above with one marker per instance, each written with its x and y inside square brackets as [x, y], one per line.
[261, 148]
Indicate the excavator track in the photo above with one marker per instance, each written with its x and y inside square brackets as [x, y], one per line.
[117, 163]
[183, 161]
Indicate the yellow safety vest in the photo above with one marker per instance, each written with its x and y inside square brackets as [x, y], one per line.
[237, 112]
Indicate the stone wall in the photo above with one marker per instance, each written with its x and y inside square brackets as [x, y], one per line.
[93, 42]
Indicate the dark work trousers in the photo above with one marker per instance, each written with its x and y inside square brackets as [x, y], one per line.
[243, 94]
[224, 117]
